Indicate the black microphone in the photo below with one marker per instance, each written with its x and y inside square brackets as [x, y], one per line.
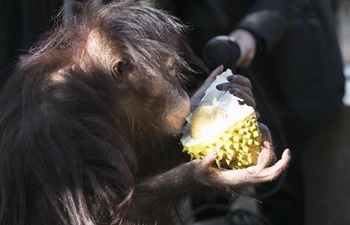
[221, 50]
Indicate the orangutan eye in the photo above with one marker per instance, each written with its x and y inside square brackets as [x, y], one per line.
[119, 70]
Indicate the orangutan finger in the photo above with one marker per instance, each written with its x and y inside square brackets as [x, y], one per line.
[246, 98]
[209, 80]
[265, 136]
[228, 86]
[210, 158]
[266, 158]
[238, 79]
[274, 171]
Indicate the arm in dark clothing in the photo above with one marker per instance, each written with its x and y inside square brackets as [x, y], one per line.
[268, 19]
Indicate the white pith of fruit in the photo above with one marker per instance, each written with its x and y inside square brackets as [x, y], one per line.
[217, 111]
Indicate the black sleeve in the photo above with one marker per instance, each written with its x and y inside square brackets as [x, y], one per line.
[267, 20]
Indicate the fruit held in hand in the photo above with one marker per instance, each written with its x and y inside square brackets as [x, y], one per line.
[221, 122]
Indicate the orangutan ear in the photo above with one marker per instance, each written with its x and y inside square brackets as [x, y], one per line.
[119, 70]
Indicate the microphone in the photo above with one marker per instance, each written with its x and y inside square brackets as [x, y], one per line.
[221, 50]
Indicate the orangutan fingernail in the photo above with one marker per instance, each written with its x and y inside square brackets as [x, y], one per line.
[232, 90]
[219, 86]
[229, 78]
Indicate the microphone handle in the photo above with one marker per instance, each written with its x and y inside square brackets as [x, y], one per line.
[221, 50]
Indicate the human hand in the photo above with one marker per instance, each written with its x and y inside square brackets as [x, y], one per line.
[247, 45]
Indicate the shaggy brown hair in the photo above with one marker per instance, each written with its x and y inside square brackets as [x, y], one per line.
[82, 119]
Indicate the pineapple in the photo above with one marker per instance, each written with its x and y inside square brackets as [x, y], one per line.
[221, 122]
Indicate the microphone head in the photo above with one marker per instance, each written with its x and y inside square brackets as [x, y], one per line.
[221, 50]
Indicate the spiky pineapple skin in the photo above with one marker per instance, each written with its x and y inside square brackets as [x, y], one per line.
[237, 148]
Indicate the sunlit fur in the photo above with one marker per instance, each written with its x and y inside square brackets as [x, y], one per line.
[84, 118]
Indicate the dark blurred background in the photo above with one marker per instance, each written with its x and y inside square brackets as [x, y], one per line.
[325, 161]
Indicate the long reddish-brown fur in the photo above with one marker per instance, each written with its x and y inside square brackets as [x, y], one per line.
[83, 119]
[90, 123]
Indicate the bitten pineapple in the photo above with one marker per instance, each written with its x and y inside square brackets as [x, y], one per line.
[221, 122]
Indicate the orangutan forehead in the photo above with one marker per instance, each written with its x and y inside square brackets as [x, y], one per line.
[108, 53]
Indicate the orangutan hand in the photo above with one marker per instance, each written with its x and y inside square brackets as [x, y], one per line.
[198, 95]
[240, 87]
[267, 168]
[196, 175]
[237, 85]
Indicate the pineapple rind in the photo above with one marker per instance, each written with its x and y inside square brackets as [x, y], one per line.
[237, 148]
